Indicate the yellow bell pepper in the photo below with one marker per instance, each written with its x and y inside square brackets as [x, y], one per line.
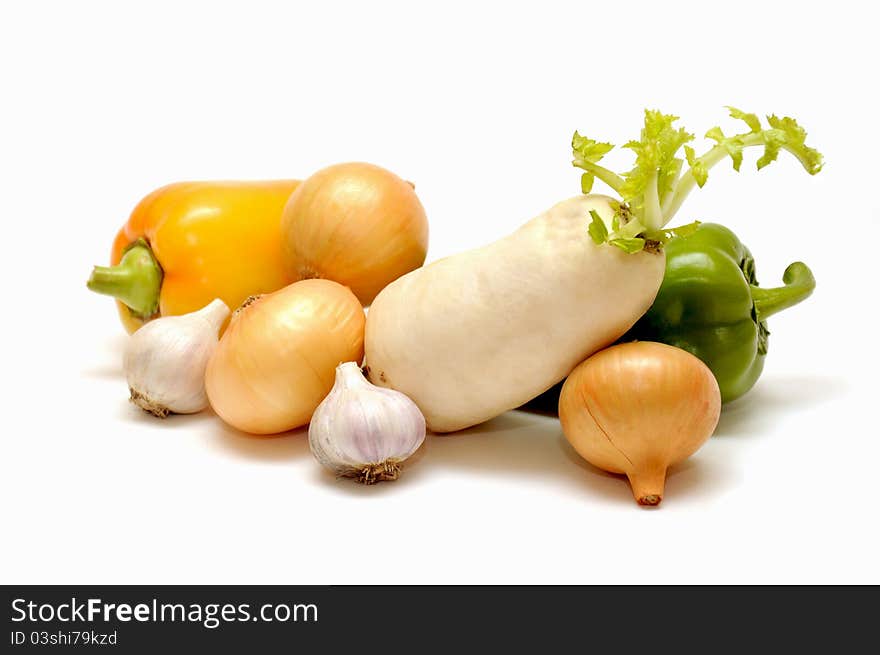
[190, 242]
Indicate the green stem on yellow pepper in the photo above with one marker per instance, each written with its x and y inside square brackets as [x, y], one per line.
[135, 281]
[799, 284]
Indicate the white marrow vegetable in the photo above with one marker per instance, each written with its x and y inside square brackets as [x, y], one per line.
[476, 334]
[473, 335]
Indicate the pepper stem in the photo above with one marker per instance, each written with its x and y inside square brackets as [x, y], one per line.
[799, 284]
[135, 281]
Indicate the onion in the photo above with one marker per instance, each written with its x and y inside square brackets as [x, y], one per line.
[357, 224]
[277, 359]
[638, 408]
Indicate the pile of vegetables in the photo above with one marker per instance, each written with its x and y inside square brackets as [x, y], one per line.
[650, 328]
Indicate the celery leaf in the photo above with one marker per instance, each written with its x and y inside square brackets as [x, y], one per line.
[732, 145]
[665, 234]
[598, 231]
[794, 141]
[751, 120]
[653, 190]
[630, 246]
[698, 168]
[655, 155]
[587, 180]
[683, 230]
[773, 140]
[586, 150]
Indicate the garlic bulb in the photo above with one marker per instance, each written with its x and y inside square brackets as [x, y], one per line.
[363, 431]
[165, 360]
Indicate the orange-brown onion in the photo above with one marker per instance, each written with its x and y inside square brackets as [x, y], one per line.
[277, 359]
[357, 224]
[638, 408]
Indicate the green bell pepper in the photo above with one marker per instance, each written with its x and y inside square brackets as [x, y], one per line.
[710, 304]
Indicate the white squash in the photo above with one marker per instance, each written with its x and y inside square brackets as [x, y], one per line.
[476, 334]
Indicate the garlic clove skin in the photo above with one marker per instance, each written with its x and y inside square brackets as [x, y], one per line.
[165, 360]
[363, 431]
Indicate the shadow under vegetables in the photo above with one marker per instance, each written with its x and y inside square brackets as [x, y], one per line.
[283, 447]
[530, 445]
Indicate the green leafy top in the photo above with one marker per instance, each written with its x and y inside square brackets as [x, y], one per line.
[654, 189]
[645, 239]
[586, 153]
[657, 168]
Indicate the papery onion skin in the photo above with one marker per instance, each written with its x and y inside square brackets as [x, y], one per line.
[638, 408]
[277, 359]
[357, 224]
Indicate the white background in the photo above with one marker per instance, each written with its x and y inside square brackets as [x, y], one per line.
[476, 103]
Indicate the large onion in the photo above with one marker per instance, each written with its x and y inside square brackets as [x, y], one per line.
[277, 359]
[357, 224]
[638, 408]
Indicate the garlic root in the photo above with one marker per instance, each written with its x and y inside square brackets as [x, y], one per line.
[389, 470]
[148, 405]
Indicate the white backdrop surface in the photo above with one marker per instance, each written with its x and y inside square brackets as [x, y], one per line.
[476, 103]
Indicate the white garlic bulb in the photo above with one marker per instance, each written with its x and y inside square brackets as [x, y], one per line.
[363, 431]
[165, 360]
